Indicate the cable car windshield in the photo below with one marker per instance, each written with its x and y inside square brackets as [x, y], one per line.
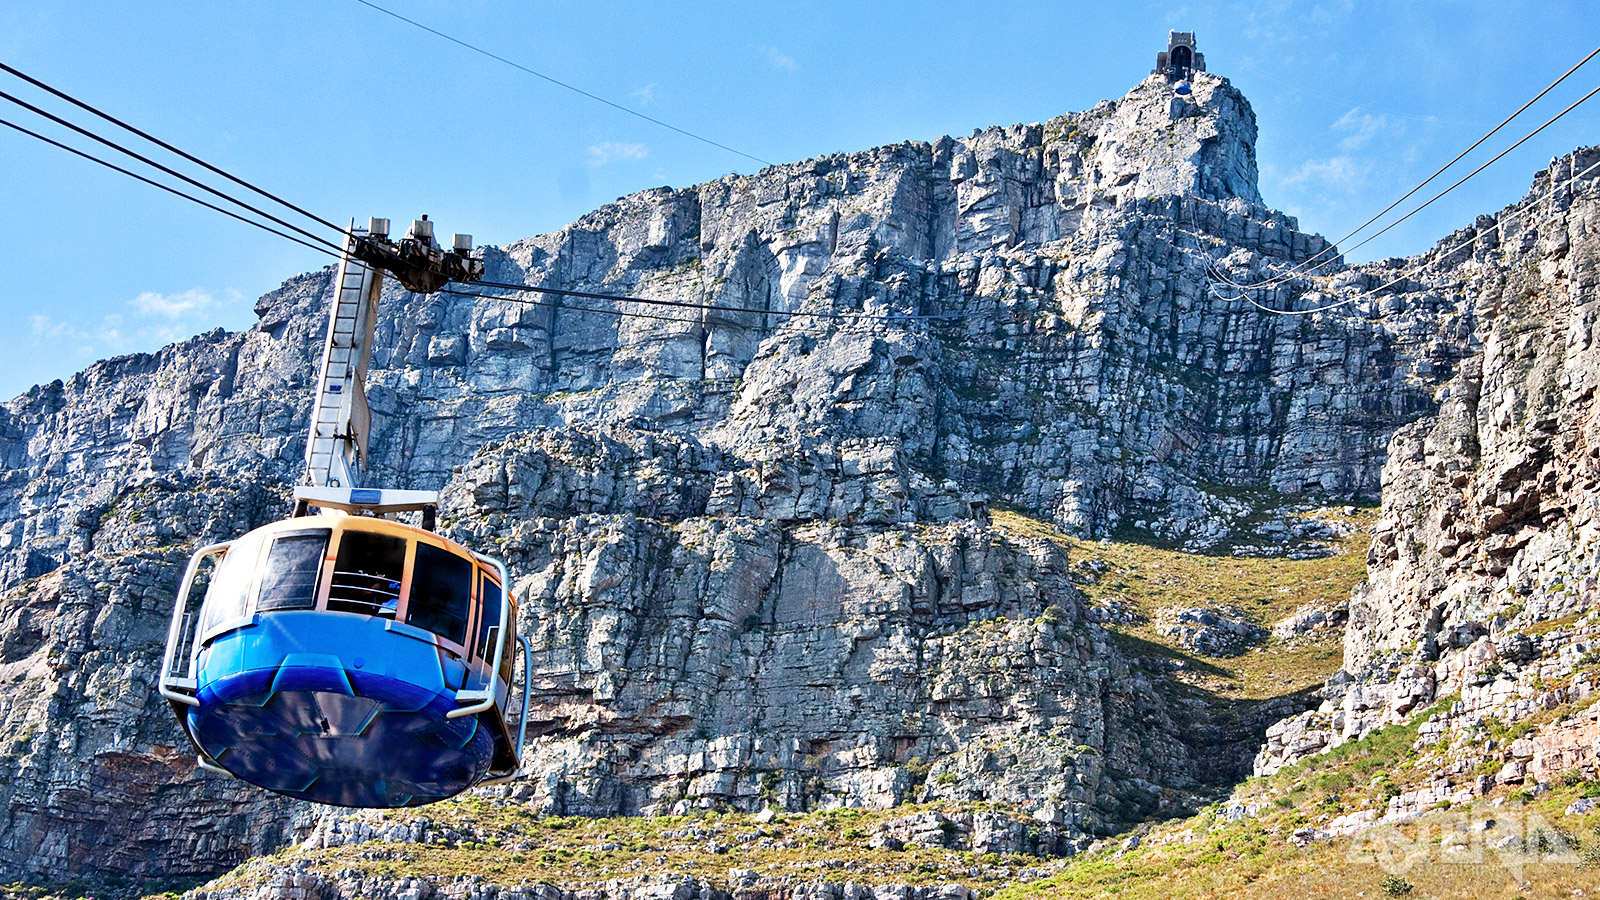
[225, 598]
[293, 568]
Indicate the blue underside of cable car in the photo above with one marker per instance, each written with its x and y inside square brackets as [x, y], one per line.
[343, 709]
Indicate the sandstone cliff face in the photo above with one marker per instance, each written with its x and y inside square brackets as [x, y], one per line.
[694, 647]
[1482, 571]
[753, 547]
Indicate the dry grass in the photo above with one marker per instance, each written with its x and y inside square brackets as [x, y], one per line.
[1149, 579]
[507, 844]
[1255, 859]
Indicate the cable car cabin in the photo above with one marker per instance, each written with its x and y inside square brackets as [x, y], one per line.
[347, 659]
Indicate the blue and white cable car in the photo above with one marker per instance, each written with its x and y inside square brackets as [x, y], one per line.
[345, 658]
[349, 660]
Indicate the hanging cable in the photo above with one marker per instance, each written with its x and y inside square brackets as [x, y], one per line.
[168, 170]
[549, 305]
[514, 287]
[1300, 268]
[171, 190]
[685, 304]
[563, 84]
[336, 251]
[1406, 274]
[1447, 190]
[166, 146]
[629, 314]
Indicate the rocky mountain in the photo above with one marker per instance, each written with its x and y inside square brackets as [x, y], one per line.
[757, 551]
[1482, 576]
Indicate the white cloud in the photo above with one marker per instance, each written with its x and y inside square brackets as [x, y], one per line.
[646, 94]
[173, 306]
[1361, 127]
[778, 59]
[158, 319]
[48, 329]
[607, 152]
[1337, 173]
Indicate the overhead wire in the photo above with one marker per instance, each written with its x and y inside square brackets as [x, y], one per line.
[685, 304]
[592, 295]
[164, 145]
[337, 251]
[1300, 268]
[577, 90]
[166, 169]
[641, 315]
[1464, 178]
[1218, 275]
[168, 188]
[1409, 273]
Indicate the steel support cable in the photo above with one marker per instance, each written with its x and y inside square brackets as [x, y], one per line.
[686, 304]
[563, 84]
[551, 305]
[626, 314]
[1409, 272]
[168, 170]
[169, 189]
[515, 287]
[1301, 269]
[166, 146]
[1230, 282]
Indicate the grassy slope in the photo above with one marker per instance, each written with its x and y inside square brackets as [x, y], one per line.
[1148, 579]
[1449, 852]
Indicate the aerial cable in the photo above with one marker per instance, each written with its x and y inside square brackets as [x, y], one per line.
[337, 252]
[627, 314]
[167, 188]
[174, 173]
[516, 287]
[1447, 190]
[550, 305]
[163, 144]
[1300, 268]
[1499, 222]
[558, 83]
[686, 304]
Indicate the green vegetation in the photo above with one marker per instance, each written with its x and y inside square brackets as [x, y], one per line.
[1148, 579]
[506, 843]
[1255, 858]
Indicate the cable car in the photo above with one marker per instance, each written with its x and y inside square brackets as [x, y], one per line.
[348, 660]
[1183, 89]
[345, 658]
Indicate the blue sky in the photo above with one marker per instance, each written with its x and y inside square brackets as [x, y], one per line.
[351, 113]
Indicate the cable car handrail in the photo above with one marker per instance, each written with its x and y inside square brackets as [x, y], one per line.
[484, 700]
[343, 585]
[175, 629]
[522, 726]
[385, 579]
[527, 694]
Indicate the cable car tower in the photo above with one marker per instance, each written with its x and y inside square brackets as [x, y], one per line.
[345, 657]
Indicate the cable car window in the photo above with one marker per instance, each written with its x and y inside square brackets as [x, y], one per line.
[489, 618]
[293, 568]
[511, 646]
[225, 598]
[441, 593]
[367, 573]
